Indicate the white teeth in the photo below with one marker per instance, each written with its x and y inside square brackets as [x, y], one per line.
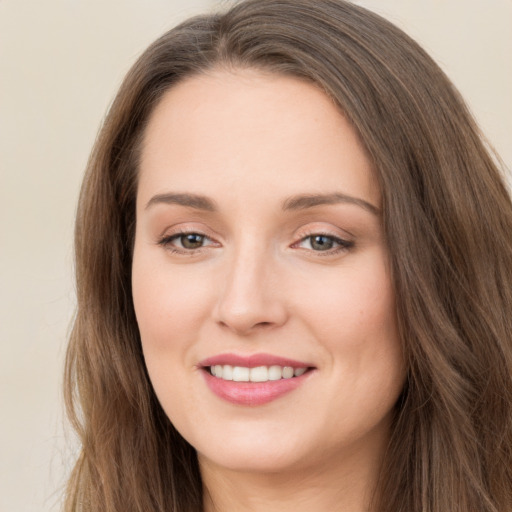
[240, 374]
[227, 372]
[287, 372]
[256, 374]
[275, 373]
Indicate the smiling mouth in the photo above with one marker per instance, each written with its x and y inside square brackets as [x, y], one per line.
[254, 379]
[229, 372]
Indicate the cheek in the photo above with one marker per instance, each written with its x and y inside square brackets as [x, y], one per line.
[354, 304]
[168, 306]
[355, 322]
[168, 302]
[354, 317]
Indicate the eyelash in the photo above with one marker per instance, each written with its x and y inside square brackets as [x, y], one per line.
[343, 245]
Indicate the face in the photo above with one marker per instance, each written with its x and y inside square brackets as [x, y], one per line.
[259, 257]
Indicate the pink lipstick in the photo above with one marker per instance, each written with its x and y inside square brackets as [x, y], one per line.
[253, 380]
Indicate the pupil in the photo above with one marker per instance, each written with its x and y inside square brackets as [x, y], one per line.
[192, 241]
[322, 243]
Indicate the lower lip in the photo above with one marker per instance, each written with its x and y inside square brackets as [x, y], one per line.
[252, 393]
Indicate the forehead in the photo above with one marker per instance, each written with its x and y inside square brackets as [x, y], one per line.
[246, 130]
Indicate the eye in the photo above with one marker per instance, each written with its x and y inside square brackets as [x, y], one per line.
[190, 240]
[186, 242]
[324, 243]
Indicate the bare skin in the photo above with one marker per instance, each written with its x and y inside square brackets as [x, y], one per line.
[339, 487]
[259, 234]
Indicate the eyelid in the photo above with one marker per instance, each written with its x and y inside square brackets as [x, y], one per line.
[187, 227]
[326, 229]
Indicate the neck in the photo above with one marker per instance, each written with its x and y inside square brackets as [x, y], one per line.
[334, 486]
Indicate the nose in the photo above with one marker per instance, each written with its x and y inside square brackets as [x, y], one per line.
[251, 297]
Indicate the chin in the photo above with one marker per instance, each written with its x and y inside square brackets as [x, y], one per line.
[253, 452]
[251, 461]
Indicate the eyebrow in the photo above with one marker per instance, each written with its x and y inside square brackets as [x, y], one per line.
[302, 202]
[191, 200]
[299, 202]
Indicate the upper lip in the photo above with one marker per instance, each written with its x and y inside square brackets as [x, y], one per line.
[252, 361]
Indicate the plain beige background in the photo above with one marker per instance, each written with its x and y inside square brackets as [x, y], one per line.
[60, 65]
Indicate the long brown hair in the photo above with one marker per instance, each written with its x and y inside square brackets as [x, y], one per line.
[447, 216]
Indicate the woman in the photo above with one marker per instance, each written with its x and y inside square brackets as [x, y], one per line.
[294, 278]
